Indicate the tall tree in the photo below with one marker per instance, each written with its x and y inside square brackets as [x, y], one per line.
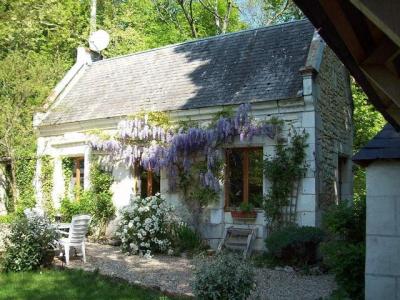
[367, 123]
[45, 26]
[201, 18]
[24, 85]
[36, 48]
[268, 12]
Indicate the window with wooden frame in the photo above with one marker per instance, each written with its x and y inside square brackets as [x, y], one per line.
[148, 183]
[78, 172]
[243, 176]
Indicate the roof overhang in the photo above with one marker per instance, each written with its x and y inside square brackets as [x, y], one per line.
[365, 35]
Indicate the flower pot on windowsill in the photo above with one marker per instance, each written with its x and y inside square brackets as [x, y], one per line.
[244, 215]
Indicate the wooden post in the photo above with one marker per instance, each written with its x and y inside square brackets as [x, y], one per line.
[78, 173]
[136, 179]
[246, 175]
[226, 179]
[149, 183]
[77, 186]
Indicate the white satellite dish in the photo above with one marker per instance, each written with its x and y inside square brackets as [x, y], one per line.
[99, 40]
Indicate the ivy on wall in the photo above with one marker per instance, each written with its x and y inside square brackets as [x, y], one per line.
[25, 174]
[67, 167]
[284, 171]
[46, 180]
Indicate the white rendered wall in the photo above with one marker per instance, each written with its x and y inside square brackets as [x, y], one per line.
[382, 273]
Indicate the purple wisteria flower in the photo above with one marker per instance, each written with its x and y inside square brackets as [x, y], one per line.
[155, 147]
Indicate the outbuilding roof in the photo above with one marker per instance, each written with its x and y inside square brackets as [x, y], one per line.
[248, 66]
[385, 145]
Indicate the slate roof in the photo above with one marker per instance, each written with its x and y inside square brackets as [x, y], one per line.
[385, 145]
[253, 65]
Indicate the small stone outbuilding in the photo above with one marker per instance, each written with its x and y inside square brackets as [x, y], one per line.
[381, 158]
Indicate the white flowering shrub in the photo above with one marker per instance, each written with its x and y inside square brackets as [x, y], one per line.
[146, 226]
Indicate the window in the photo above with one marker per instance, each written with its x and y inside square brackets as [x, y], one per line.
[342, 179]
[147, 183]
[78, 172]
[243, 176]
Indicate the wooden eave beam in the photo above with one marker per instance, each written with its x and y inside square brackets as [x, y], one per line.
[384, 15]
[344, 28]
[385, 80]
[326, 27]
[383, 52]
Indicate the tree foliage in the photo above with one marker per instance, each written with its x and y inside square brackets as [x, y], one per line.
[36, 49]
[367, 123]
[25, 81]
[268, 12]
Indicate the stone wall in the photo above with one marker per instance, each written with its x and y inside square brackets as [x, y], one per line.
[334, 131]
[382, 272]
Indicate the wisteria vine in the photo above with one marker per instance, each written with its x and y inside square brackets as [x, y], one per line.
[156, 147]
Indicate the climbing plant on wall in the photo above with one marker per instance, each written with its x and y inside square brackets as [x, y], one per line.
[190, 153]
[284, 170]
[46, 180]
[25, 173]
[155, 146]
[67, 167]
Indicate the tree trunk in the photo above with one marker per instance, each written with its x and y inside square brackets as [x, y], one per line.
[13, 184]
[93, 15]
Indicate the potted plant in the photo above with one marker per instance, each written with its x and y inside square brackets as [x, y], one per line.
[246, 211]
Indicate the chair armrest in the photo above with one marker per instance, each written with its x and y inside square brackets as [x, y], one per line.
[62, 232]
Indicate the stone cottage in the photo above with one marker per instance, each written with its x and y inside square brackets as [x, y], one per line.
[284, 71]
[381, 158]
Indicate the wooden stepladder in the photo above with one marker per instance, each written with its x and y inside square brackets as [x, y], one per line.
[239, 239]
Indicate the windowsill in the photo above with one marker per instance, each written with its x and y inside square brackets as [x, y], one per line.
[229, 209]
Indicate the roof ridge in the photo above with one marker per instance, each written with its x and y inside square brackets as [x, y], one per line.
[214, 37]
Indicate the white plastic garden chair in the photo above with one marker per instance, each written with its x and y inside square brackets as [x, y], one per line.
[76, 236]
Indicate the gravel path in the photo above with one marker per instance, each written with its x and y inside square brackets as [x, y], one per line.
[173, 275]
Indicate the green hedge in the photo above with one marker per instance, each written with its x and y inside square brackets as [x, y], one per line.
[295, 245]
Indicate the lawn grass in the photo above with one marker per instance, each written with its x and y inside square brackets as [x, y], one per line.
[69, 284]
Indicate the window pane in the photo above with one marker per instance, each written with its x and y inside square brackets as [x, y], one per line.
[235, 177]
[255, 176]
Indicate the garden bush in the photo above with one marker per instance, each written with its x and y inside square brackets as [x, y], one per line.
[96, 201]
[8, 218]
[98, 205]
[344, 252]
[295, 245]
[28, 243]
[225, 276]
[186, 239]
[146, 226]
[70, 208]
